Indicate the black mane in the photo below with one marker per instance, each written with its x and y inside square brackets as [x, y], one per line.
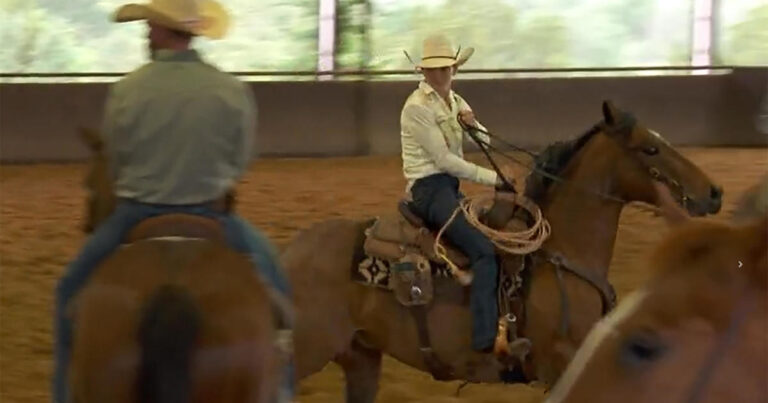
[553, 160]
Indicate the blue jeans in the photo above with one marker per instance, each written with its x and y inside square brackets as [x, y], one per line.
[435, 198]
[241, 236]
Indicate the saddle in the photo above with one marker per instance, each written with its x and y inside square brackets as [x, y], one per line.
[405, 246]
[184, 225]
[177, 225]
[394, 237]
[199, 227]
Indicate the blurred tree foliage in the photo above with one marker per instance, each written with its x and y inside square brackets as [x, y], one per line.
[78, 36]
[746, 42]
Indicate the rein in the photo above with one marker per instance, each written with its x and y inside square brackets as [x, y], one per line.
[626, 125]
[485, 146]
[602, 286]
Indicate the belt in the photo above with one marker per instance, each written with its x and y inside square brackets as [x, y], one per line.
[224, 204]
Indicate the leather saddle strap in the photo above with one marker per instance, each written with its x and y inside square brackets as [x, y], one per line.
[603, 287]
[439, 370]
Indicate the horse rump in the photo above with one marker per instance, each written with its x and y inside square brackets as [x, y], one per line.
[167, 334]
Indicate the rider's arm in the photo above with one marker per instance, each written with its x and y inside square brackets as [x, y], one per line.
[109, 128]
[419, 121]
[762, 115]
[463, 105]
[246, 130]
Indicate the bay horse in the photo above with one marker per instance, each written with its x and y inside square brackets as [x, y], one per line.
[615, 162]
[172, 316]
[696, 332]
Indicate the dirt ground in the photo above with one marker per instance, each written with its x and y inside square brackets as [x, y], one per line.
[42, 208]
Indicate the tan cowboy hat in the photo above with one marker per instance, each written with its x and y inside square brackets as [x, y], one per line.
[198, 17]
[437, 51]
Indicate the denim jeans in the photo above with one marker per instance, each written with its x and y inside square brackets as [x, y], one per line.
[240, 235]
[435, 198]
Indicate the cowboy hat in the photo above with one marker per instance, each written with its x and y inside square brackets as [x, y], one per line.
[197, 17]
[437, 52]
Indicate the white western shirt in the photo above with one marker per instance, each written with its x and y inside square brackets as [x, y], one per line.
[432, 139]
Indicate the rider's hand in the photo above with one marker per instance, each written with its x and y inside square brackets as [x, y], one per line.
[502, 186]
[468, 118]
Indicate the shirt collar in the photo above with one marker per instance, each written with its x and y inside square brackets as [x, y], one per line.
[429, 90]
[169, 55]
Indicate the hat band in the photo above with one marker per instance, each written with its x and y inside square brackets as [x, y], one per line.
[438, 57]
[193, 23]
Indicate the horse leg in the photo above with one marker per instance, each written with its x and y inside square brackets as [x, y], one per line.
[362, 367]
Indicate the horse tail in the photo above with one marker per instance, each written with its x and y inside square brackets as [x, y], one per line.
[168, 332]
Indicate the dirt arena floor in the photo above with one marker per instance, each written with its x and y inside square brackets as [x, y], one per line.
[42, 207]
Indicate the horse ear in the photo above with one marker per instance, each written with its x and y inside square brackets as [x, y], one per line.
[610, 113]
[668, 207]
[91, 138]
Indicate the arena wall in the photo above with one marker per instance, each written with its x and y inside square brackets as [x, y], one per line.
[38, 121]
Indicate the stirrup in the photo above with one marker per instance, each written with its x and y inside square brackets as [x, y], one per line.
[518, 348]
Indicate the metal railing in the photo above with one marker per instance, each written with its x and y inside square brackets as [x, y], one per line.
[373, 73]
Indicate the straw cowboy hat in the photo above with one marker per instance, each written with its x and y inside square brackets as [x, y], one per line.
[197, 17]
[437, 51]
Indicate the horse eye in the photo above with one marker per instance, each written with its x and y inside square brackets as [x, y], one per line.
[651, 150]
[642, 348]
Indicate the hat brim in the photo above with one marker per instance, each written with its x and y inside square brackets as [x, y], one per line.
[447, 61]
[464, 55]
[214, 19]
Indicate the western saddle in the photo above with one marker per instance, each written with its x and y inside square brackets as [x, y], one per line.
[392, 238]
[184, 225]
[408, 245]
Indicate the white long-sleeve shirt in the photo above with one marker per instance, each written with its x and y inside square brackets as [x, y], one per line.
[432, 139]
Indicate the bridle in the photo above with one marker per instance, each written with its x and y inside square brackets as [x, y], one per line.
[623, 127]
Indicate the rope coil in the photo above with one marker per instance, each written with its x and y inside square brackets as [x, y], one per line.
[514, 242]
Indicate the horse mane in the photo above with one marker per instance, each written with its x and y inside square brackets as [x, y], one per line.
[553, 160]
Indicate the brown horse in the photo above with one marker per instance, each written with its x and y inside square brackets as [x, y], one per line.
[615, 162]
[753, 202]
[172, 316]
[697, 332]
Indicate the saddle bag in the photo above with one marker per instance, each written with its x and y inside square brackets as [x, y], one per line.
[411, 280]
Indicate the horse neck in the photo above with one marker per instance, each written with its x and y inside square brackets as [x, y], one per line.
[584, 225]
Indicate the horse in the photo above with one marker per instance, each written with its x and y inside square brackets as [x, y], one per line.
[696, 332]
[566, 289]
[753, 202]
[174, 315]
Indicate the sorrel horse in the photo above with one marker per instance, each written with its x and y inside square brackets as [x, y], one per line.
[174, 315]
[697, 332]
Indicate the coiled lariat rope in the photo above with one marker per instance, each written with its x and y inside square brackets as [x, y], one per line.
[514, 242]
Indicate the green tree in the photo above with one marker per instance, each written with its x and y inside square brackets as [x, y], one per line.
[79, 36]
[267, 35]
[746, 42]
[37, 41]
[487, 26]
[541, 40]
